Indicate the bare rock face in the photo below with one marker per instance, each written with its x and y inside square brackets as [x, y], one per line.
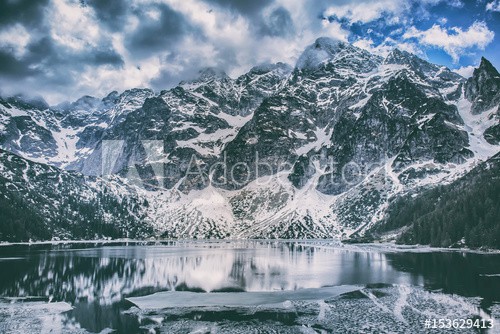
[483, 88]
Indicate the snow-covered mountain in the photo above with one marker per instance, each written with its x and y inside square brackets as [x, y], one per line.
[314, 151]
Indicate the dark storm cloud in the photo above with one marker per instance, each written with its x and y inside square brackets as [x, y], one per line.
[155, 35]
[165, 79]
[46, 53]
[278, 23]
[37, 53]
[13, 68]
[42, 49]
[112, 13]
[48, 64]
[45, 62]
[27, 12]
[105, 57]
[245, 7]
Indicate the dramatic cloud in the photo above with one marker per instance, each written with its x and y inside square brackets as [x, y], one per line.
[393, 11]
[335, 30]
[63, 49]
[15, 38]
[243, 7]
[111, 13]
[159, 27]
[12, 68]
[278, 23]
[73, 26]
[366, 11]
[25, 12]
[454, 40]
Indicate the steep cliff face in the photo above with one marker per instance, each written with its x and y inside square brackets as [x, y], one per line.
[483, 91]
[317, 150]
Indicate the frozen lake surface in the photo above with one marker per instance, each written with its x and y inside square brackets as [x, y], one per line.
[242, 287]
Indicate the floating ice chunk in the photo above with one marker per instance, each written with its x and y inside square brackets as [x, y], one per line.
[171, 299]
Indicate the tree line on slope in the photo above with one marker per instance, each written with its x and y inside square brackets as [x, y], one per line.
[463, 213]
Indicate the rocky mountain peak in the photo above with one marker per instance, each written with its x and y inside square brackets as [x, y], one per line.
[483, 88]
[136, 91]
[322, 50]
[440, 75]
[486, 67]
[329, 44]
[397, 56]
[87, 103]
[111, 98]
[278, 68]
[211, 73]
[134, 97]
[34, 102]
[401, 57]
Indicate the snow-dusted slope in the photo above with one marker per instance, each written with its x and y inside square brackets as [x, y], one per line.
[43, 202]
[65, 134]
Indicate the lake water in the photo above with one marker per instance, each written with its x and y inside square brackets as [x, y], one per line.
[242, 287]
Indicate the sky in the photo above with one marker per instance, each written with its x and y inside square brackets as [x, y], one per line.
[64, 49]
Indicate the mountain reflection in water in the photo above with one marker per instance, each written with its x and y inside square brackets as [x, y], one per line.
[96, 278]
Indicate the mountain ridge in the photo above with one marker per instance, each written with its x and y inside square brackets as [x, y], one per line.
[317, 150]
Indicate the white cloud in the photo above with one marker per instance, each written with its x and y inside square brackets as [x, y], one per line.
[334, 30]
[73, 26]
[228, 41]
[455, 40]
[465, 71]
[368, 45]
[15, 38]
[99, 81]
[366, 11]
[394, 11]
[389, 44]
[493, 6]
[218, 36]
[232, 36]
[443, 20]
[451, 3]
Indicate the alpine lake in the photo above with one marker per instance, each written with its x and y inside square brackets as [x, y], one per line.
[246, 286]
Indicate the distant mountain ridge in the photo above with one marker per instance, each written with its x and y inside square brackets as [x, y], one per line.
[314, 151]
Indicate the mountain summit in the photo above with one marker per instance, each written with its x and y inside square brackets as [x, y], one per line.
[482, 89]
